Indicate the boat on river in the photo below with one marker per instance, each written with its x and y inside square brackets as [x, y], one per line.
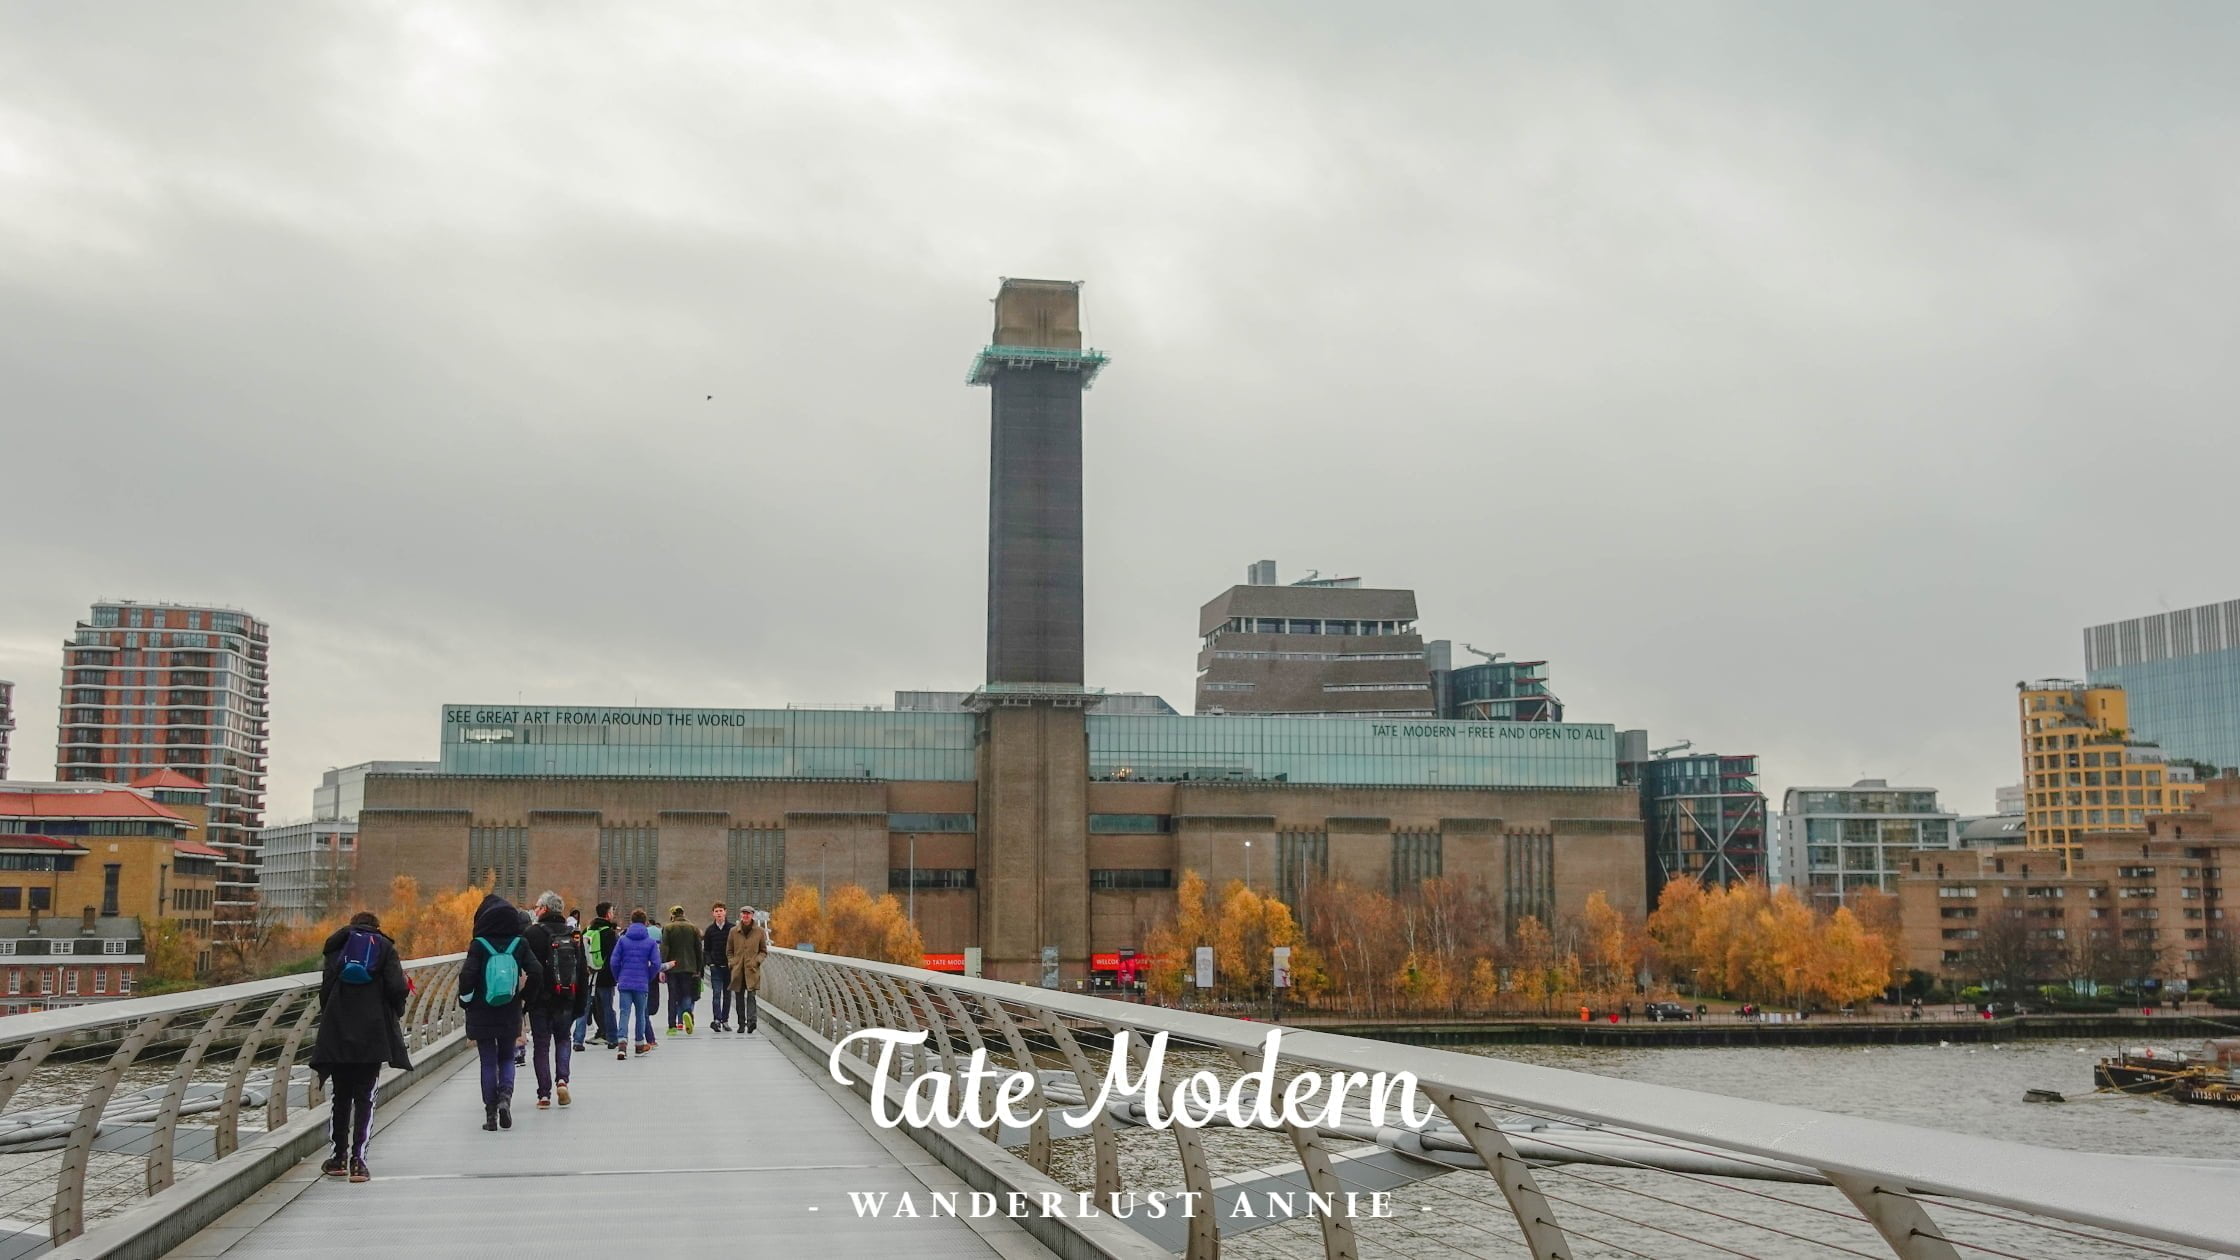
[2211, 1077]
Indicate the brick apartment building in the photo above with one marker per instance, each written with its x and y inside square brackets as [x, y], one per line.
[2149, 904]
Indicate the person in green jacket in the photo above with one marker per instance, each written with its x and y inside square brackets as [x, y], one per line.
[680, 946]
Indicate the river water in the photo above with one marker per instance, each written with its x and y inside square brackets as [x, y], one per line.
[1616, 1213]
[1961, 1089]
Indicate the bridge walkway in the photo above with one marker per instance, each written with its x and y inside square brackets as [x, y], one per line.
[714, 1143]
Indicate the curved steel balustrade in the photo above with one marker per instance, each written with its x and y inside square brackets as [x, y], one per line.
[1580, 1165]
[72, 1150]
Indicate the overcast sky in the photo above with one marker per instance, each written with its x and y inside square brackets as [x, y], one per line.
[1793, 378]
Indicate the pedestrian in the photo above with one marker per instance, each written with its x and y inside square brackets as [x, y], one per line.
[361, 997]
[598, 950]
[637, 967]
[680, 945]
[747, 946]
[499, 969]
[715, 950]
[521, 1044]
[553, 1009]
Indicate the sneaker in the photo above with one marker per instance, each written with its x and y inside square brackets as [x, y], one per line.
[645, 1047]
[622, 1052]
[544, 1104]
[505, 1114]
[579, 1047]
[688, 1023]
[359, 1173]
[562, 1090]
[335, 1166]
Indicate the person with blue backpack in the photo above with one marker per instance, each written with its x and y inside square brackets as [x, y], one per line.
[362, 996]
[637, 974]
[499, 969]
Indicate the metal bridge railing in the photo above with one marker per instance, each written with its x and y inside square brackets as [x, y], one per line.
[101, 1105]
[1521, 1160]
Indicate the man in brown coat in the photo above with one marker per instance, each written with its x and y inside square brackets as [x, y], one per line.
[749, 942]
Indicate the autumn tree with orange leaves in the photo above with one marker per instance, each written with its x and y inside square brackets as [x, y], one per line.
[1765, 945]
[853, 924]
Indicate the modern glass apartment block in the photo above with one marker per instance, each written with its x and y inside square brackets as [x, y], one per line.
[713, 743]
[1705, 817]
[2084, 769]
[936, 746]
[7, 721]
[181, 687]
[1837, 840]
[1501, 691]
[1410, 752]
[2181, 674]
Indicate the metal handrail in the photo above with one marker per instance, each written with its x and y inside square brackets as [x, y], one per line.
[101, 1042]
[1887, 1171]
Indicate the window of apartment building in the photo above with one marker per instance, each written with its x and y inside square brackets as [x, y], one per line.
[114, 946]
[11, 899]
[110, 874]
[124, 980]
[100, 981]
[70, 982]
[42, 898]
[15, 981]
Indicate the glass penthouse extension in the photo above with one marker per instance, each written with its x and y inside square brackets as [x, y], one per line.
[1404, 751]
[712, 743]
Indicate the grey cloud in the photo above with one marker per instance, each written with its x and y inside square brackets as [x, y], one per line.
[1795, 379]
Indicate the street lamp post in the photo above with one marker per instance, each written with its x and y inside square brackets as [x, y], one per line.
[913, 879]
[820, 874]
[1248, 864]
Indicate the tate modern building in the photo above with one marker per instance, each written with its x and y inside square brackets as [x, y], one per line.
[1021, 820]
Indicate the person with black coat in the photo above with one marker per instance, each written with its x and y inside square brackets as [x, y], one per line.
[495, 1027]
[554, 1007]
[361, 999]
[601, 1013]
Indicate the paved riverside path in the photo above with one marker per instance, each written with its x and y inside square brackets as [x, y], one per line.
[713, 1143]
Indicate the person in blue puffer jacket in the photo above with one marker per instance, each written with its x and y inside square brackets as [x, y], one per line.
[637, 968]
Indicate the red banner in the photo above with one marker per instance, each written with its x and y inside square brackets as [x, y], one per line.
[945, 962]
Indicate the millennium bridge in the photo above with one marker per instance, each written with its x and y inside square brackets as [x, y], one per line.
[187, 1126]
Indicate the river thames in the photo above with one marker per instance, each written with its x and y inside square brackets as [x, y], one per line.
[1617, 1212]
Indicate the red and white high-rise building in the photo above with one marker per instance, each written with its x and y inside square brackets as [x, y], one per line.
[181, 687]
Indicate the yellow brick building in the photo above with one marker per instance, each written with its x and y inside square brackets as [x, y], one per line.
[2081, 770]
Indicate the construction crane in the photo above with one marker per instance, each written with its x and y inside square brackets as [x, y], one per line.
[1659, 753]
[1490, 656]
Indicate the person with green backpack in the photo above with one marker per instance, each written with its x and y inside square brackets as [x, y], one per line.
[598, 947]
[500, 967]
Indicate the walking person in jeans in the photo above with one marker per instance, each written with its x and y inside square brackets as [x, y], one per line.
[637, 968]
[680, 944]
[361, 998]
[749, 943]
[554, 1007]
[499, 962]
[715, 948]
[598, 946]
